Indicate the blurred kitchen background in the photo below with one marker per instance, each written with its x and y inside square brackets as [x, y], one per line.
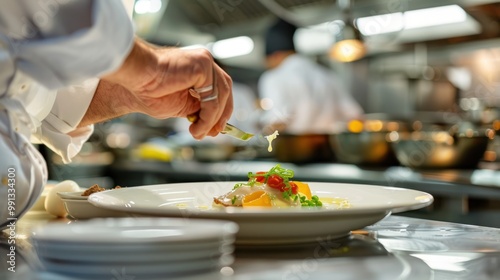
[427, 76]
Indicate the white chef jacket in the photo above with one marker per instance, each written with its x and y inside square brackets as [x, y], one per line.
[50, 55]
[306, 96]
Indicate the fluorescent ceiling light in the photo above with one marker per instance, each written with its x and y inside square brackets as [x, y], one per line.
[232, 47]
[434, 16]
[394, 22]
[147, 6]
[380, 24]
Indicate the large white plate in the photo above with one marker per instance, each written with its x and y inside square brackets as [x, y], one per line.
[267, 226]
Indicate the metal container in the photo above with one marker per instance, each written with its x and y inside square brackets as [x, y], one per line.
[440, 149]
[363, 148]
[303, 148]
[367, 142]
[208, 152]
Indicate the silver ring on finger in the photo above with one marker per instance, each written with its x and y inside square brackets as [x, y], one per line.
[204, 89]
[215, 92]
[210, 97]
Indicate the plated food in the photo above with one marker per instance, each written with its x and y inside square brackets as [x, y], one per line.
[273, 188]
[268, 225]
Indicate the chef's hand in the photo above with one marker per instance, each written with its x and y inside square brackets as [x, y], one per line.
[160, 80]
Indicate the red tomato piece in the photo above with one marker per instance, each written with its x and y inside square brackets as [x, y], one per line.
[274, 181]
[260, 179]
[295, 188]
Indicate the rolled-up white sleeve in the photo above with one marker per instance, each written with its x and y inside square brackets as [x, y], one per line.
[59, 60]
[83, 40]
[59, 130]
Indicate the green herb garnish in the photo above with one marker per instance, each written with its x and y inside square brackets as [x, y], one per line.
[282, 183]
[313, 202]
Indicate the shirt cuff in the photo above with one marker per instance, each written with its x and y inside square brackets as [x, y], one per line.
[71, 105]
[65, 145]
[59, 130]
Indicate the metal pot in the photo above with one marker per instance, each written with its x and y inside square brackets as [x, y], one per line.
[440, 149]
[212, 152]
[363, 148]
[303, 148]
[367, 142]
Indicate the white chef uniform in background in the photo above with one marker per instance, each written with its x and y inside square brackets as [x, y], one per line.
[50, 54]
[307, 97]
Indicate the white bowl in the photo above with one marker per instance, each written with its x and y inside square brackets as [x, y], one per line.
[82, 209]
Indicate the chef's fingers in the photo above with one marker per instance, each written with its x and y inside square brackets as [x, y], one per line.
[227, 109]
[215, 109]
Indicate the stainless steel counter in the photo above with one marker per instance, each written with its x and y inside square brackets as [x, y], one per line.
[394, 248]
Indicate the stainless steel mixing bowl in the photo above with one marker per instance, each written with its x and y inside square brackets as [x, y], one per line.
[440, 149]
[364, 148]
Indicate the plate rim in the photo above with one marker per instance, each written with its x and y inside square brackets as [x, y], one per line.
[265, 213]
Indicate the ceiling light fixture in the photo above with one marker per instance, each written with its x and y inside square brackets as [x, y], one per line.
[147, 6]
[348, 44]
[394, 22]
[226, 48]
[232, 47]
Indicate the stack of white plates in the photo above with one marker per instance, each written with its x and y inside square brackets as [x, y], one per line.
[135, 248]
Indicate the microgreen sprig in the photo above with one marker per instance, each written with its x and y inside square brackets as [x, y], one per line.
[286, 175]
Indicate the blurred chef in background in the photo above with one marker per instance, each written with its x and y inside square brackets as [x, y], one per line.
[65, 65]
[302, 96]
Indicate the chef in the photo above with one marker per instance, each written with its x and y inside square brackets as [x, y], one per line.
[302, 96]
[65, 65]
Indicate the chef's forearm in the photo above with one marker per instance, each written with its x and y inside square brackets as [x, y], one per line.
[110, 101]
[113, 98]
[138, 69]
